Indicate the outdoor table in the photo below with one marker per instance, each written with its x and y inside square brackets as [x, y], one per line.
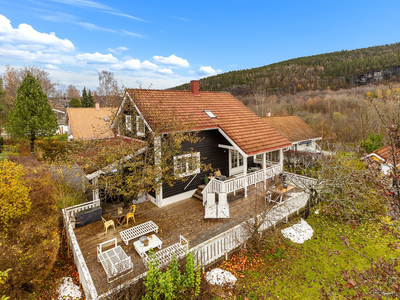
[154, 242]
[279, 192]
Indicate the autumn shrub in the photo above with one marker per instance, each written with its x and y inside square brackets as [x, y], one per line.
[30, 245]
[53, 149]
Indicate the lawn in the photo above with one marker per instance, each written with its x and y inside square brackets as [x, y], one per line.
[282, 269]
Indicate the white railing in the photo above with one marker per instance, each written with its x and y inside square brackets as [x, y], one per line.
[73, 210]
[84, 275]
[234, 184]
[220, 245]
[300, 181]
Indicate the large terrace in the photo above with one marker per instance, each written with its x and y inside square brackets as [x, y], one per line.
[184, 218]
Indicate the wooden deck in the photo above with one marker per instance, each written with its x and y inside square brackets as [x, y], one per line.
[184, 218]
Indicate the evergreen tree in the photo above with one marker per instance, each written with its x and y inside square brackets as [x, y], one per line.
[90, 100]
[32, 116]
[84, 98]
[75, 102]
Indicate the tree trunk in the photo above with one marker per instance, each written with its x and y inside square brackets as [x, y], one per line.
[32, 145]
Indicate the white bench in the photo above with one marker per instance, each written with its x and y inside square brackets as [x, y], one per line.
[164, 256]
[137, 231]
[114, 261]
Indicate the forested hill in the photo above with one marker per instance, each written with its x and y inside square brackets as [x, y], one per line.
[335, 70]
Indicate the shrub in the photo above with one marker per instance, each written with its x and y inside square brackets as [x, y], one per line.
[30, 245]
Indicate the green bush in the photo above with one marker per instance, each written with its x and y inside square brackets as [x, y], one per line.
[1, 144]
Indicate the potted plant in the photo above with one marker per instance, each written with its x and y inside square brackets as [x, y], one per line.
[205, 179]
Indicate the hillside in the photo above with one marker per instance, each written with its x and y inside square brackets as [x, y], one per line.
[343, 69]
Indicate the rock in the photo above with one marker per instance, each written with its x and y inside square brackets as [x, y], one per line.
[220, 277]
[68, 290]
[298, 233]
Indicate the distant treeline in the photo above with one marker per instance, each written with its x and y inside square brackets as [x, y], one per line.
[343, 69]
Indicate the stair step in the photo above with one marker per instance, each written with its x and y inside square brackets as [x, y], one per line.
[198, 197]
[201, 187]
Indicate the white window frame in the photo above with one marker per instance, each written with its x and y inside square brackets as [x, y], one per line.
[140, 130]
[185, 164]
[128, 122]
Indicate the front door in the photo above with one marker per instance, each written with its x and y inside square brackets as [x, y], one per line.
[235, 162]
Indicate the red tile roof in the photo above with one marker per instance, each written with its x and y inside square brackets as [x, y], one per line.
[243, 127]
[386, 154]
[292, 127]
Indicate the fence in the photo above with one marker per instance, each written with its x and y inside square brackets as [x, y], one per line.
[84, 275]
[220, 245]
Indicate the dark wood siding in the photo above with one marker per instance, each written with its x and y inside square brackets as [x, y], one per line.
[210, 153]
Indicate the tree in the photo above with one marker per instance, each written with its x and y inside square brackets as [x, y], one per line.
[373, 142]
[5, 105]
[13, 77]
[72, 92]
[90, 99]
[84, 98]
[108, 88]
[75, 102]
[32, 116]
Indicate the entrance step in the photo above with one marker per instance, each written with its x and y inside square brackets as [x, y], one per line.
[197, 194]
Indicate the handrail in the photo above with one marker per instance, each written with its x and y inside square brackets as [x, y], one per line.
[190, 182]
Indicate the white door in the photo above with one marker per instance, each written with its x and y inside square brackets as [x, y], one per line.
[235, 162]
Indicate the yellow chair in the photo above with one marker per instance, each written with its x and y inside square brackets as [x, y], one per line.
[131, 214]
[108, 224]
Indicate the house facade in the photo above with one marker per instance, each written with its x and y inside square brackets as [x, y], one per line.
[232, 138]
[300, 135]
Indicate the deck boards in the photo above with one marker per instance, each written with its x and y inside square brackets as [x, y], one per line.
[184, 218]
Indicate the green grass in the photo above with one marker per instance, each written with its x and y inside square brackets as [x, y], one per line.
[286, 270]
[68, 196]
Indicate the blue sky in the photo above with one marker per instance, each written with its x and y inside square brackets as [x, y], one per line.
[161, 44]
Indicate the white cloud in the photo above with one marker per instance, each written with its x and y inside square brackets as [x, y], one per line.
[117, 50]
[165, 71]
[134, 64]
[91, 26]
[13, 53]
[51, 67]
[125, 32]
[208, 71]
[25, 34]
[172, 60]
[97, 58]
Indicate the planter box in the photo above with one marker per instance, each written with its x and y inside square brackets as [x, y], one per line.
[88, 216]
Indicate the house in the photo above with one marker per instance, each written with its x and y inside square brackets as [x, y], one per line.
[232, 138]
[384, 157]
[88, 123]
[302, 137]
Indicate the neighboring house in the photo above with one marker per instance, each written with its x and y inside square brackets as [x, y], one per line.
[384, 157]
[89, 123]
[233, 139]
[60, 115]
[302, 137]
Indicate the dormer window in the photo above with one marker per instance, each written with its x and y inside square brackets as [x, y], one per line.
[210, 114]
[140, 126]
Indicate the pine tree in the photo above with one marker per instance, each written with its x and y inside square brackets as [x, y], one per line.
[84, 98]
[31, 116]
[90, 100]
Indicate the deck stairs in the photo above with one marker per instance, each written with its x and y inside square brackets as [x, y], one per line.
[197, 194]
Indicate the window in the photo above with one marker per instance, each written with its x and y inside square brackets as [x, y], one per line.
[188, 164]
[128, 122]
[210, 114]
[140, 126]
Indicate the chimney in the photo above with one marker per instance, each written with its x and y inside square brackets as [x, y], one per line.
[194, 87]
[97, 106]
[268, 114]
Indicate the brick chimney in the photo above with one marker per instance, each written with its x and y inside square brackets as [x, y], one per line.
[97, 106]
[194, 87]
[268, 114]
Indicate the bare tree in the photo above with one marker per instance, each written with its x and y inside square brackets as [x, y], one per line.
[72, 92]
[12, 78]
[108, 88]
